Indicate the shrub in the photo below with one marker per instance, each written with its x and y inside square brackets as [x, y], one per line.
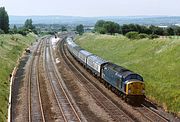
[13, 38]
[153, 36]
[132, 35]
[102, 31]
[143, 35]
[1, 44]
[1, 31]
[22, 32]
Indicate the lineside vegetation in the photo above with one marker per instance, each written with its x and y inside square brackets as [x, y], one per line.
[109, 27]
[11, 48]
[157, 60]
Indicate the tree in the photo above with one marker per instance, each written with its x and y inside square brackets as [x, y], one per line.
[4, 20]
[156, 30]
[143, 35]
[29, 27]
[1, 31]
[22, 31]
[15, 30]
[132, 35]
[28, 24]
[110, 27]
[177, 30]
[153, 36]
[80, 29]
[63, 28]
[170, 31]
[99, 26]
[99, 23]
[125, 29]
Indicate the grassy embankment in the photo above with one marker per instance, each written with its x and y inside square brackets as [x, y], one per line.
[158, 61]
[11, 48]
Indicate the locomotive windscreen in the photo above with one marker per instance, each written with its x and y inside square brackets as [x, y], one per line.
[134, 76]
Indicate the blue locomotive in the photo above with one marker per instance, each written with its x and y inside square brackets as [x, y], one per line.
[120, 80]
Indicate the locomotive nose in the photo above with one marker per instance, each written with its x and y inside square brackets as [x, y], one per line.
[135, 88]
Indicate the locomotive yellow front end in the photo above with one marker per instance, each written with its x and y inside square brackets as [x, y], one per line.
[135, 90]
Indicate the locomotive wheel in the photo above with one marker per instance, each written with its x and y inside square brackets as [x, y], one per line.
[109, 86]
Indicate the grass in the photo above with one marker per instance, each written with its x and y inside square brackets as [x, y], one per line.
[11, 48]
[158, 61]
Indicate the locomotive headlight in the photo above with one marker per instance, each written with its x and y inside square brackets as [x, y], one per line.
[129, 91]
[143, 91]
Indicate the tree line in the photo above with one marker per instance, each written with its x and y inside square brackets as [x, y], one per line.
[28, 27]
[109, 27]
[4, 20]
[4, 25]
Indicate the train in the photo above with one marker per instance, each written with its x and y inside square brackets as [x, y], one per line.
[125, 83]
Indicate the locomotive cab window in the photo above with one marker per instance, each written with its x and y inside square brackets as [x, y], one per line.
[134, 76]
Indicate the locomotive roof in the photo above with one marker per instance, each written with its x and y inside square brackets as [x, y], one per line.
[121, 70]
[117, 68]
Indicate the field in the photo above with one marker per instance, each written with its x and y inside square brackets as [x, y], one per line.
[158, 61]
[11, 48]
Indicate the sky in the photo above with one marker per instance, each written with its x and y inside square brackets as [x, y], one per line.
[92, 8]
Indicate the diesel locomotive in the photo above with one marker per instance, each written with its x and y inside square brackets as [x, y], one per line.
[122, 81]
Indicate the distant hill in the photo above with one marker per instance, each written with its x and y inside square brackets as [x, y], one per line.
[73, 20]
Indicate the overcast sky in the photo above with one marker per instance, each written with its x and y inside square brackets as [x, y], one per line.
[89, 8]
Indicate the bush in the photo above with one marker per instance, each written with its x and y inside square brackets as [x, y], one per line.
[143, 35]
[1, 31]
[102, 30]
[153, 36]
[106, 27]
[132, 35]
[1, 44]
[22, 31]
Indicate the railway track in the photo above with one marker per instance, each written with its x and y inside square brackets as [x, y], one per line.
[115, 112]
[151, 115]
[65, 105]
[146, 112]
[35, 110]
